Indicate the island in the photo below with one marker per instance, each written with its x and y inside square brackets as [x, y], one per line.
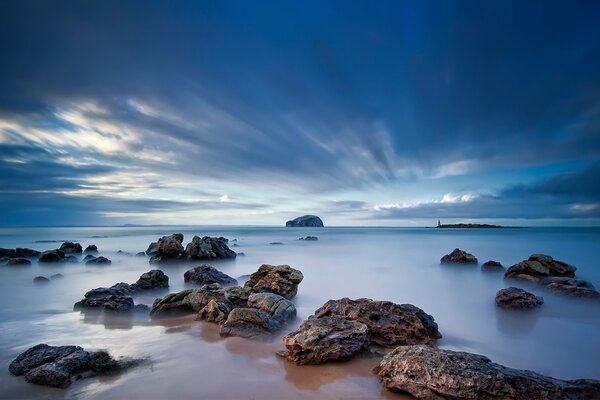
[305, 221]
[461, 225]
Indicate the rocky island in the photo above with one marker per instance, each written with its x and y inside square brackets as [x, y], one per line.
[305, 221]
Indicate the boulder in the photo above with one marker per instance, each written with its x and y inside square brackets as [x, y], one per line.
[248, 323]
[152, 249]
[118, 303]
[98, 261]
[205, 274]
[278, 307]
[214, 312]
[331, 338]
[279, 279]
[19, 252]
[492, 266]
[458, 256]
[18, 261]
[51, 256]
[88, 257]
[305, 221]
[56, 276]
[153, 279]
[140, 254]
[71, 248]
[539, 266]
[194, 300]
[389, 324]
[309, 238]
[516, 298]
[92, 248]
[167, 248]
[571, 287]
[58, 366]
[208, 248]
[430, 373]
[41, 280]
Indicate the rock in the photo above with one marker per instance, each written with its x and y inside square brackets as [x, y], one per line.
[140, 254]
[71, 248]
[41, 279]
[492, 266]
[539, 266]
[276, 243]
[281, 309]
[279, 279]
[51, 256]
[71, 259]
[430, 373]
[56, 276]
[57, 366]
[205, 274]
[153, 279]
[306, 221]
[194, 300]
[21, 252]
[92, 248]
[167, 248]
[389, 324]
[118, 303]
[516, 298]
[152, 249]
[571, 287]
[248, 323]
[458, 256]
[309, 238]
[214, 312]
[331, 338]
[98, 261]
[18, 261]
[241, 254]
[208, 248]
[88, 257]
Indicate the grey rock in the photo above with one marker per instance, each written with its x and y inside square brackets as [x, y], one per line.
[205, 274]
[278, 307]
[98, 261]
[18, 261]
[571, 287]
[458, 256]
[207, 247]
[248, 323]
[516, 298]
[71, 248]
[51, 256]
[492, 266]
[305, 221]
[309, 238]
[279, 279]
[168, 248]
[92, 248]
[58, 373]
[41, 280]
[539, 266]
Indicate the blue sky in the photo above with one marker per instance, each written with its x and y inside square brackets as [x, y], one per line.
[365, 113]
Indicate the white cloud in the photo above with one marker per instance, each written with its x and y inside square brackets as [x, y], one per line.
[455, 168]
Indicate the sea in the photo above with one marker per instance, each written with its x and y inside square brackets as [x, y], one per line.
[187, 359]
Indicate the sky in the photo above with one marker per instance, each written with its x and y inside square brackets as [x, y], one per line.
[252, 113]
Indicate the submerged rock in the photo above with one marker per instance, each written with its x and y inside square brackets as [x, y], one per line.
[279, 279]
[539, 266]
[516, 298]
[71, 248]
[205, 274]
[492, 266]
[194, 300]
[331, 338]
[389, 324]
[98, 261]
[51, 256]
[18, 261]
[430, 373]
[21, 252]
[309, 238]
[276, 243]
[571, 287]
[458, 256]
[41, 280]
[305, 220]
[58, 366]
[208, 248]
[92, 248]
[140, 254]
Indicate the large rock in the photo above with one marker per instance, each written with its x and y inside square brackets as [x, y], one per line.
[167, 248]
[305, 220]
[278, 307]
[98, 261]
[279, 279]
[458, 256]
[571, 287]
[492, 266]
[118, 303]
[331, 338]
[52, 256]
[194, 300]
[207, 247]
[19, 252]
[539, 266]
[18, 261]
[71, 248]
[389, 324]
[92, 248]
[516, 298]
[214, 312]
[248, 323]
[205, 274]
[57, 366]
[430, 373]
[153, 279]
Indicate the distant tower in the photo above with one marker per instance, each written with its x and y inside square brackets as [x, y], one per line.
[439, 223]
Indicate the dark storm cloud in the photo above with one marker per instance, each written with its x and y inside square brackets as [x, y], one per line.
[314, 96]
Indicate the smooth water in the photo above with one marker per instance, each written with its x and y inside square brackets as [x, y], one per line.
[188, 359]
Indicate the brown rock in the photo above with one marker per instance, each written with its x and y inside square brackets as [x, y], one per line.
[458, 256]
[516, 298]
[539, 266]
[279, 279]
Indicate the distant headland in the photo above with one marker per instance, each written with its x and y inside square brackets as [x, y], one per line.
[461, 225]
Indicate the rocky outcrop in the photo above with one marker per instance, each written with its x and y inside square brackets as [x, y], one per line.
[571, 287]
[71, 248]
[539, 266]
[153, 279]
[492, 266]
[430, 373]
[331, 338]
[206, 274]
[120, 302]
[98, 261]
[51, 256]
[516, 298]
[305, 221]
[167, 248]
[92, 249]
[194, 300]
[207, 247]
[58, 366]
[458, 256]
[309, 238]
[18, 261]
[19, 252]
[389, 324]
[279, 279]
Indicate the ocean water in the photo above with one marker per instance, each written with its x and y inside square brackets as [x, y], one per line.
[188, 359]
